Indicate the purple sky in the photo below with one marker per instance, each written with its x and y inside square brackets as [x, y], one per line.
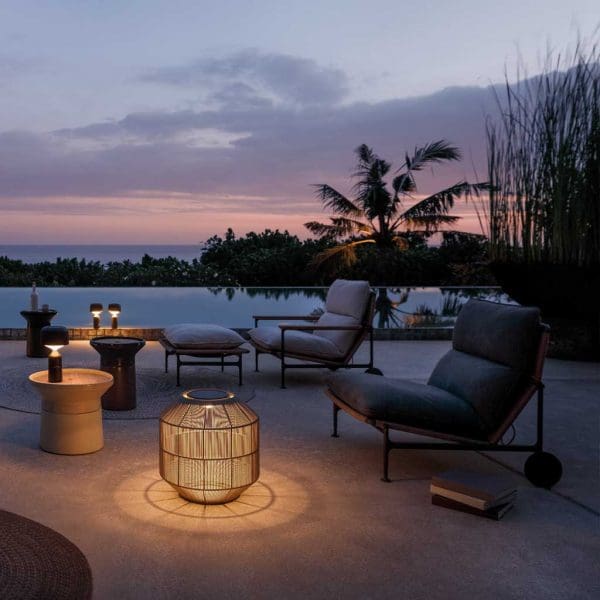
[166, 122]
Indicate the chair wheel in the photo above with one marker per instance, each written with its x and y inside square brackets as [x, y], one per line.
[374, 371]
[543, 469]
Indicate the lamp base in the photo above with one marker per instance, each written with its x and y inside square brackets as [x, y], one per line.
[209, 496]
[55, 369]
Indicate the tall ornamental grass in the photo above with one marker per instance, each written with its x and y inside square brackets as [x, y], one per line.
[544, 165]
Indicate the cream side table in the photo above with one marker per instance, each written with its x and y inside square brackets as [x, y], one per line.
[71, 417]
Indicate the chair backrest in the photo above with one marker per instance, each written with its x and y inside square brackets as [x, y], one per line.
[496, 359]
[347, 303]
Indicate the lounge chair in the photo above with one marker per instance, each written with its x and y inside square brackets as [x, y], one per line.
[331, 340]
[473, 396]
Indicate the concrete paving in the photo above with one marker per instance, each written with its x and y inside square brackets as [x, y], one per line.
[319, 523]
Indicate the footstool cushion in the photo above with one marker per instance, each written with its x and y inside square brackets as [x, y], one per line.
[202, 336]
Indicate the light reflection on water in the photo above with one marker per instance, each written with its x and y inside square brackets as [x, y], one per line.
[397, 307]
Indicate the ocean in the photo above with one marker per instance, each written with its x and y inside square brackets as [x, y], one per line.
[101, 253]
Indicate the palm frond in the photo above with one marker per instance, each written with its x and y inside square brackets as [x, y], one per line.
[428, 224]
[343, 254]
[365, 154]
[339, 227]
[441, 202]
[338, 203]
[404, 183]
[369, 166]
[322, 229]
[350, 226]
[435, 152]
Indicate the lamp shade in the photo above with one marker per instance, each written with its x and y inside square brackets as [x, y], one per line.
[114, 307]
[54, 335]
[209, 446]
[95, 307]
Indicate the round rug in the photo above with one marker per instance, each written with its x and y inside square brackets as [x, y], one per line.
[37, 562]
[156, 390]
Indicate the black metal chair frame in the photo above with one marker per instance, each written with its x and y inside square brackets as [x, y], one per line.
[389, 445]
[171, 350]
[316, 363]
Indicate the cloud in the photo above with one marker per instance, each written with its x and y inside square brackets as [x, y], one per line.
[264, 152]
[258, 77]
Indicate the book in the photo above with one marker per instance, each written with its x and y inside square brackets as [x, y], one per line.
[471, 500]
[477, 485]
[495, 513]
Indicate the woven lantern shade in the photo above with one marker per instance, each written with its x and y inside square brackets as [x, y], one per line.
[209, 446]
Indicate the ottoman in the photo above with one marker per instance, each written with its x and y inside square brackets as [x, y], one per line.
[204, 342]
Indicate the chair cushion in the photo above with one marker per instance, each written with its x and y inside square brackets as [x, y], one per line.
[202, 336]
[346, 304]
[296, 342]
[342, 340]
[407, 403]
[499, 332]
[348, 298]
[489, 387]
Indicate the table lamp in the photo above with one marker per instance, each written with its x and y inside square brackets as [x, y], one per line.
[54, 337]
[96, 310]
[115, 311]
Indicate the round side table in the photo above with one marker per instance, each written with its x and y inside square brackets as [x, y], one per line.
[71, 417]
[36, 319]
[117, 357]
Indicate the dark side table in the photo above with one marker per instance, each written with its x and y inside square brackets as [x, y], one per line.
[36, 319]
[117, 357]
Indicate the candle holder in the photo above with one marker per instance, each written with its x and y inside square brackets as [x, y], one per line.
[54, 337]
[96, 310]
[115, 311]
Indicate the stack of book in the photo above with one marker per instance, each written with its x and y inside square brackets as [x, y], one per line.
[490, 496]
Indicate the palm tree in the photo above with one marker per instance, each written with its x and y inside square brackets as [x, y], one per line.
[377, 215]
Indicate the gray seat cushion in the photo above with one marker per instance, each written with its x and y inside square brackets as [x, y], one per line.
[202, 336]
[489, 387]
[502, 333]
[411, 404]
[346, 304]
[296, 342]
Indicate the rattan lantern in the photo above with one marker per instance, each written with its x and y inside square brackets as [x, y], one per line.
[209, 446]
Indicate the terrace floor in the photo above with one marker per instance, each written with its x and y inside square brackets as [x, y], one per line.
[319, 523]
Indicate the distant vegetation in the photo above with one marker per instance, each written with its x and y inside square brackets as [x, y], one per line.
[392, 241]
[270, 258]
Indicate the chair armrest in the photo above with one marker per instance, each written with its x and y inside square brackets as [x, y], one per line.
[258, 318]
[286, 327]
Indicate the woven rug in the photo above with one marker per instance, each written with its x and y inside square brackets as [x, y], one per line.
[156, 390]
[37, 562]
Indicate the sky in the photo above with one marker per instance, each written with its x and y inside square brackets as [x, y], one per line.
[148, 121]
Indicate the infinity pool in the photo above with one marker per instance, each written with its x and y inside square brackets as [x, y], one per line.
[397, 307]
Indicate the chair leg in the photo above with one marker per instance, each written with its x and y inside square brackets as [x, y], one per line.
[542, 469]
[178, 368]
[386, 454]
[166, 362]
[240, 369]
[256, 360]
[222, 363]
[336, 410]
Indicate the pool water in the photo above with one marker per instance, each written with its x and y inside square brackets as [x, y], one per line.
[397, 307]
